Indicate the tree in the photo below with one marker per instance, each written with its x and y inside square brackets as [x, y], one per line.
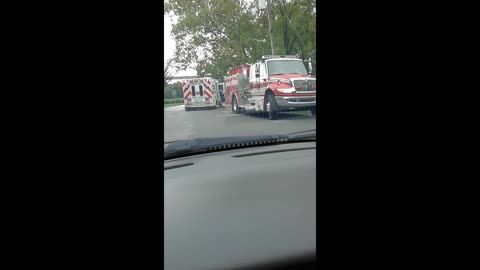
[214, 35]
[296, 27]
[177, 87]
[167, 72]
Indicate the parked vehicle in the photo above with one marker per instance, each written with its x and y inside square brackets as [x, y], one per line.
[199, 93]
[273, 84]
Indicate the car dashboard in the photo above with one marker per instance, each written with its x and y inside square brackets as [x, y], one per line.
[241, 208]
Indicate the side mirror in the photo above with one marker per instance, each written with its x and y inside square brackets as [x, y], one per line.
[257, 75]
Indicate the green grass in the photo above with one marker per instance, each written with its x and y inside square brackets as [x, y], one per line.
[172, 104]
[173, 100]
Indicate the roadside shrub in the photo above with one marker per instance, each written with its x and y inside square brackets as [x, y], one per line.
[173, 100]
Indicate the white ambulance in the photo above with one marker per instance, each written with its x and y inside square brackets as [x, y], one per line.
[200, 93]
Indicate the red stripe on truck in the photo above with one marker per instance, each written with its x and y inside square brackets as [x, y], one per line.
[186, 88]
[207, 92]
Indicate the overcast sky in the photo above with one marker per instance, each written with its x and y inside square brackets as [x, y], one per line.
[169, 46]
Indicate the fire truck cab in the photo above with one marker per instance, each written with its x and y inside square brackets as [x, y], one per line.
[273, 84]
[200, 93]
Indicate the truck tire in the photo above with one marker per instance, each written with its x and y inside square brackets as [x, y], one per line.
[313, 111]
[271, 106]
[235, 108]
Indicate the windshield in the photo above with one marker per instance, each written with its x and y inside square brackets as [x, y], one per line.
[239, 102]
[276, 67]
[215, 83]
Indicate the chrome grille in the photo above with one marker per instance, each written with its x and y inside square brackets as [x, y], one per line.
[305, 85]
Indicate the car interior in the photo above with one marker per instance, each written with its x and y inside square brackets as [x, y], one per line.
[241, 208]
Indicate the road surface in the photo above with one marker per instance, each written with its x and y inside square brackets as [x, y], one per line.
[222, 122]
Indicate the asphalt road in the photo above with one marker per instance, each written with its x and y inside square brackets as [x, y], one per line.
[222, 122]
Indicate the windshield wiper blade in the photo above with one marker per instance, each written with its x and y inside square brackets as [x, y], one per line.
[204, 145]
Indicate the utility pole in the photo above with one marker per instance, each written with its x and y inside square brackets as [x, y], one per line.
[269, 25]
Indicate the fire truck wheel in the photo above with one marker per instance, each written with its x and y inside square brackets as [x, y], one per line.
[235, 105]
[313, 111]
[271, 106]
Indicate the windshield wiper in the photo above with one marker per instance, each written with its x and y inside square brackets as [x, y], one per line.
[204, 145]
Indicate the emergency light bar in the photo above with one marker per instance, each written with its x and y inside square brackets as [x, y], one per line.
[279, 56]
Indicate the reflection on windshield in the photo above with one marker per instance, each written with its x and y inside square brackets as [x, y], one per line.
[276, 67]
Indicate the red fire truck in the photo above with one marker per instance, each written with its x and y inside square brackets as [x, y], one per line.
[273, 84]
[199, 93]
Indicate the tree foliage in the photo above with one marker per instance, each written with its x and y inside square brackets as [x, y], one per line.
[177, 87]
[167, 72]
[214, 35]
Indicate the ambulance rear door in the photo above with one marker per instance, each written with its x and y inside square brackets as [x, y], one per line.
[196, 88]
